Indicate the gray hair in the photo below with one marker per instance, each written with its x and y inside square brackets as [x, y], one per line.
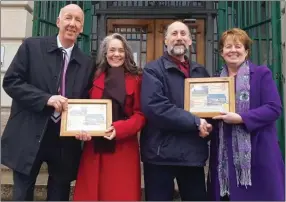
[129, 63]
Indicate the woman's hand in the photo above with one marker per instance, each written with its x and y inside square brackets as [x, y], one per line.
[83, 136]
[111, 133]
[229, 117]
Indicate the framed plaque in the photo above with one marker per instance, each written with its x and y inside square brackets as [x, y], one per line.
[91, 115]
[207, 97]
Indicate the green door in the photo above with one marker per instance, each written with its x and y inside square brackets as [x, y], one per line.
[45, 16]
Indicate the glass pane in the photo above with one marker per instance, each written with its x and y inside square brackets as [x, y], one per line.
[144, 44]
[194, 47]
[143, 59]
[135, 46]
[194, 57]
[144, 37]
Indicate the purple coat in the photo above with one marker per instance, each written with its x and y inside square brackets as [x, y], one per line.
[267, 166]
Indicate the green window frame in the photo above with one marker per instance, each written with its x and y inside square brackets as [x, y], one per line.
[45, 17]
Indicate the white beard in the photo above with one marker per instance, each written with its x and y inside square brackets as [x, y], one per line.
[177, 50]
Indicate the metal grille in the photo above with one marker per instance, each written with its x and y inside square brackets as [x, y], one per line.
[155, 3]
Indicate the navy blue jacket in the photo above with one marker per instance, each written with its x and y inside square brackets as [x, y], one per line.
[171, 135]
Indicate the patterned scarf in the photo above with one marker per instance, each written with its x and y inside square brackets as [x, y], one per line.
[241, 145]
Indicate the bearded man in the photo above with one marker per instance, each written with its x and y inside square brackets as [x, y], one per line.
[173, 143]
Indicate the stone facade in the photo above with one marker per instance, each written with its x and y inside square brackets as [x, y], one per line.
[16, 25]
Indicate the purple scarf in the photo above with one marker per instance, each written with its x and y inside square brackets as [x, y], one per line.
[241, 145]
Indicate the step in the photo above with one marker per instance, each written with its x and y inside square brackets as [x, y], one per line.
[41, 184]
[44, 168]
[40, 191]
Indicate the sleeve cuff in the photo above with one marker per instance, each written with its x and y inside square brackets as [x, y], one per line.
[244, 118]
[197, 122]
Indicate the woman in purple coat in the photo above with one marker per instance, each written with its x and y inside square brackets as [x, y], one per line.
[246, 163]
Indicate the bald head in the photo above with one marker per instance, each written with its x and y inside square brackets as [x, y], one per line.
[175, 25]
[70, 23]
[71, 8]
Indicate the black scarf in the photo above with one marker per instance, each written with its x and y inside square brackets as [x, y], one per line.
[114, 89]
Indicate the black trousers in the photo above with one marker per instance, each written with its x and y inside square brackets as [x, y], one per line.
[49, 152]
[159, 182]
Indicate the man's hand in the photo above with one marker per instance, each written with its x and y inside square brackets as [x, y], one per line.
[205, 128]
[59, 102]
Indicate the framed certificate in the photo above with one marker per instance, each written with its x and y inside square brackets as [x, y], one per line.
[207, 97]
[91, 115]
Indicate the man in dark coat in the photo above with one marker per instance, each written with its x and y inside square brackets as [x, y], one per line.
[44, 73]
[173, 143]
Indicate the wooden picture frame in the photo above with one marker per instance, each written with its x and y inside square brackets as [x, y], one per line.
[207, 97]
[91, 115]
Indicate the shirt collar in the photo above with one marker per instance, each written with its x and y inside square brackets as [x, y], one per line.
[178, 62]
[68, 50]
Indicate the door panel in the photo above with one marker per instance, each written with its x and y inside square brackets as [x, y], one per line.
[146, 38]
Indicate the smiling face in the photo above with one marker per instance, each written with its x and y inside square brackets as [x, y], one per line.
[115, 55]
[234, 46]
[70, 23]
[178, 39]
[233, 52]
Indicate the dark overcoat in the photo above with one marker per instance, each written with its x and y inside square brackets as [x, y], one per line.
[30, 80]
[171, 135]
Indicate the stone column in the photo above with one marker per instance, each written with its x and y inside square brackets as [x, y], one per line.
[16, 25]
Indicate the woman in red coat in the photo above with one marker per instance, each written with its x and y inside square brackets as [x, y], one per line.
[110, 166]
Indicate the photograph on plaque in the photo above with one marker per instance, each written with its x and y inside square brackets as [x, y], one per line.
[207, 97]
[93, 116]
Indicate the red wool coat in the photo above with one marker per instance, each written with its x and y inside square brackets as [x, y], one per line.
[114, 176]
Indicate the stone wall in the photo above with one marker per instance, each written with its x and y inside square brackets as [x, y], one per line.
[16, 25]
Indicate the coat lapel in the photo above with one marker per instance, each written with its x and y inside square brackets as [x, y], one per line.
[254, 93]
[98, 84]
[53, 60]
[73, 70]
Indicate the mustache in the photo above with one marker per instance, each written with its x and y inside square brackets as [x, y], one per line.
[179, 44]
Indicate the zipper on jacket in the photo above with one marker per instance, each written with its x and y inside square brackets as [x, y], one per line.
[44, 129]
[158, 150]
